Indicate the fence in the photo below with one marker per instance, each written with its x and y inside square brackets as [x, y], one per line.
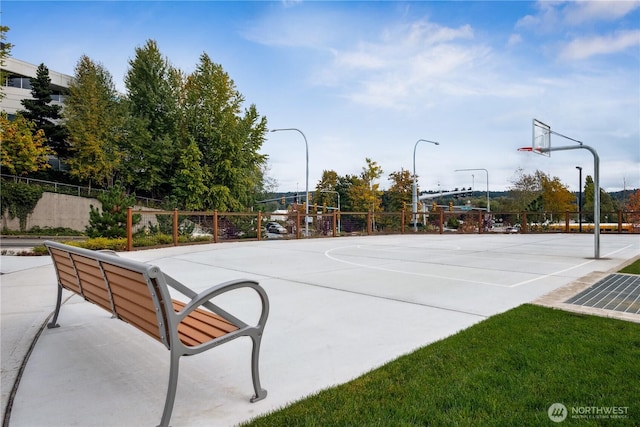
[165, 228]
[73, 190]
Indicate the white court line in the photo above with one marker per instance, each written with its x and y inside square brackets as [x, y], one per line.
[391, 270]
[566, 269]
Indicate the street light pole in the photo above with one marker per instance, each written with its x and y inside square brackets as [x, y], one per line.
[414, 199]
[306, 197]
[579, 198]
[487, 172]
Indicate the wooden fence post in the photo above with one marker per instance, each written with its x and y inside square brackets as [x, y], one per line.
[129, 229]
[335, 225]
[619, 221]
[215, 226]
[175, 227]
[259, 228]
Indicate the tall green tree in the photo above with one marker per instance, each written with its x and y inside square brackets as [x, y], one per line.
[608, 206]
[400, 192]
[95, 120]
[44, 114]
[343, 186]
[191, 178]
[5, 50]
[325, 193]
[152, 139]
[228, 139]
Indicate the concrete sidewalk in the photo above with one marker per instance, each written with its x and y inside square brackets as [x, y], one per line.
[339, 308]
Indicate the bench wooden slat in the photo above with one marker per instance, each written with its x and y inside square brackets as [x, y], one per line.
[132, 299]
[201, 326]
[66, 271]
[94, 288]
[144, 320]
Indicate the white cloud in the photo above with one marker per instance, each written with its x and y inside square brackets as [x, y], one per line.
[585, 47]
[407, 62]
[557, 15]
[579, 12]
[514, 39]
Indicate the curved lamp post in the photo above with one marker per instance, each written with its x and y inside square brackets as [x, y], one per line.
[306, 197]
[414, 199]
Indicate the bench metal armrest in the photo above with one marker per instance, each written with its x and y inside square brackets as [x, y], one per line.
[203, 299]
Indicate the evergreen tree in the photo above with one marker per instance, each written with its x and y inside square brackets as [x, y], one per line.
[44, 114]
[112, 220]
[228, 140]
[608, 208]
[95, 121]
[190, 180]
[152, 140]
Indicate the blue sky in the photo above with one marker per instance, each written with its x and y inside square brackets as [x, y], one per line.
[368, 79]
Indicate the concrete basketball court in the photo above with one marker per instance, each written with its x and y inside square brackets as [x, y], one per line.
[339, 308]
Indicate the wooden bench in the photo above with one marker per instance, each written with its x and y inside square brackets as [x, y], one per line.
[138, 294]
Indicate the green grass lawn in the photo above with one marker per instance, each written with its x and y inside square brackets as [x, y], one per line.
[633, 268]
[504, 371]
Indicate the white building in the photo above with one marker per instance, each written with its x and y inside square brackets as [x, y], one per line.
[16, 85]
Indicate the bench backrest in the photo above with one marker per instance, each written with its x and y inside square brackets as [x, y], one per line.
[132, 291]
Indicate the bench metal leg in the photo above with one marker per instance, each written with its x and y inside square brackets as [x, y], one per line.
[260, 393]
[171, 391]
[53, 323]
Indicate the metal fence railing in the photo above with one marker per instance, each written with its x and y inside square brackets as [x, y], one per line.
[73, 190]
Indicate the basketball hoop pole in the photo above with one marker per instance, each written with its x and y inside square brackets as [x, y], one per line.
[596, 185]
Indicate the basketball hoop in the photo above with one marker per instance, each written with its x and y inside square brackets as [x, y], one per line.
[541, 138]
[531, 149]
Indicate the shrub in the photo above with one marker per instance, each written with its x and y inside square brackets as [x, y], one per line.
[20, 199]
[112, 221]
[98, 243]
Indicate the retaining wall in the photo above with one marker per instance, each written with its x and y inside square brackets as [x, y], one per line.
[56, 210]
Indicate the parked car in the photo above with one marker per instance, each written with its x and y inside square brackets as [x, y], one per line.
[276, 228]
[513, 229]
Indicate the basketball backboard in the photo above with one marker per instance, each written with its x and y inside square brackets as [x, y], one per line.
[541, 142]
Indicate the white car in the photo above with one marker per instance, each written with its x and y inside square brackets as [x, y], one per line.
[277, 228]
[514, 229]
